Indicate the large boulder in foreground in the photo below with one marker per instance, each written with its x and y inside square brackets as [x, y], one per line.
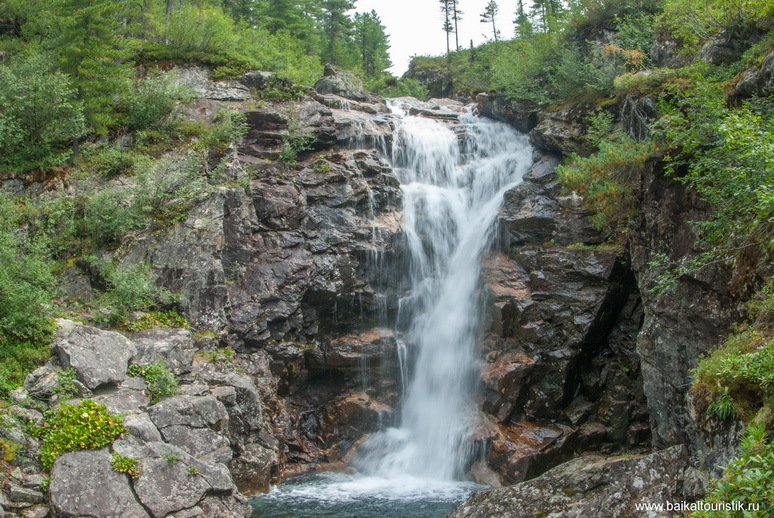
[588, 486]
[98, 357]
[84, 484]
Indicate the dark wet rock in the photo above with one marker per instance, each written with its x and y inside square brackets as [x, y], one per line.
[585, 486]
[668, 348]
[438, 82]
[757, 80]
[84, 484]
[636, 115]
[562, 129]
[522, 115]
[524, 450]
[98, 357]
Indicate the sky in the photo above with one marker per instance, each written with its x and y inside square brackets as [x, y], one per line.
[414, 26]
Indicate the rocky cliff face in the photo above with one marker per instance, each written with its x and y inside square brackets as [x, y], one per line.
[290, 266]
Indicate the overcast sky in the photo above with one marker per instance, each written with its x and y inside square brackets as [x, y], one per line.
[414, 26]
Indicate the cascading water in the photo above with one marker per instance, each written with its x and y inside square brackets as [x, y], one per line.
[453, 177]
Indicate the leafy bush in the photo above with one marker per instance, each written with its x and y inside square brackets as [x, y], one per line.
[70, 428]
[295, 141]
[748, 479]
[204, 30]
[544, 68]
[39, 115]
[605, 180]
[26, 284]
[129, 288]
[392, 87]
[729, 158]
[160, 381]
[151, 101]
[696, 22]
[229, 126]
[737, 379]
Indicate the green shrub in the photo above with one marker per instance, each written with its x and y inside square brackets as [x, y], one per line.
[727, 156]
[696, 22]
[203, 30]
[605, 180]
[229, 126]
[39, 115]
[26, 285]
[151, 101]
[295, 141]
[157, 319]
[159, 380]
[70, 428]
[65, 387]
[737, 379]
[126, 465]
[748, 479]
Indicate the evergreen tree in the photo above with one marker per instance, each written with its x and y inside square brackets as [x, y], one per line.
[488, 16]
[340, 49]
[523, 25]
[448, 26]
[547, 13]
[91, 49]
[456, 16]
[373, 43]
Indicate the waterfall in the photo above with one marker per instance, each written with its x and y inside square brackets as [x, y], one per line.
[452, 177]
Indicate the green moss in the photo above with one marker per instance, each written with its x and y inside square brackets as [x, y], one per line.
[71, 428]
[126, 465]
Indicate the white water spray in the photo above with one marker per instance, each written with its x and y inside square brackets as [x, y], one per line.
[452, 179]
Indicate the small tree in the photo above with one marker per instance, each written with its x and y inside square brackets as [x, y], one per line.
[39, 115]
[489, 15]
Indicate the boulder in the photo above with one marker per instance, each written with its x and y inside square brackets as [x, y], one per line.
[191, 411]
[173, 346]
[588, 486]
[98, 357]
[84, 484]
[172, 480]
[342, 83]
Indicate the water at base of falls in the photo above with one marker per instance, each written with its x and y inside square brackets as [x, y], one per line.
[453, 178]
[338, 495]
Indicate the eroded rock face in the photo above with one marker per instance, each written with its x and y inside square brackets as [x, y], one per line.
[561, 374]
[588, 486]
[522, 115]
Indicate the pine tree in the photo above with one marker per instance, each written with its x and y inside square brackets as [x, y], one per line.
[373, 43]
[91, 49]
[522, 22]
[547, 13]
[488, 16]
[340, 49]
[456, 16]
[448, 27]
